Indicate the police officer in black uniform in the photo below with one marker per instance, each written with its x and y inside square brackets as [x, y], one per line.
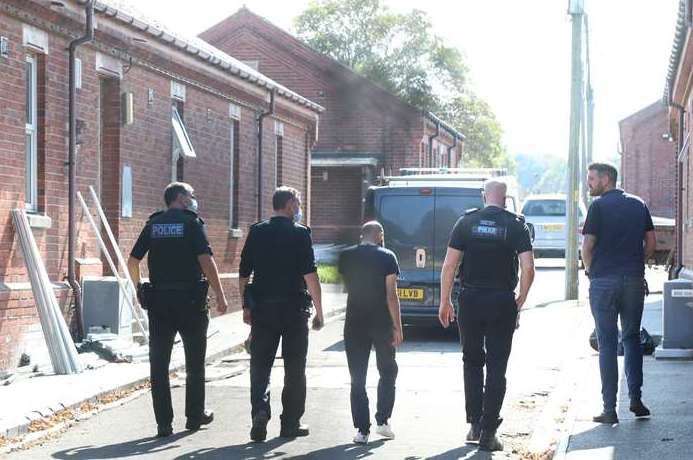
[279, 254]
[176, 300]
[489, 243]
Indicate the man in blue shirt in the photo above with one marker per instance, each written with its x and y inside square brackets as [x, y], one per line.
[619, 238]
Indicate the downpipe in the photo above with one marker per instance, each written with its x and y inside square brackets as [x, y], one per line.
[260, 119]
[72, 172]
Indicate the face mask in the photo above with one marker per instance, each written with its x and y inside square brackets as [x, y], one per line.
[193, 205]
[298, 217]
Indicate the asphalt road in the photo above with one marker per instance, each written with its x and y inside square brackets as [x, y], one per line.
[428, 420]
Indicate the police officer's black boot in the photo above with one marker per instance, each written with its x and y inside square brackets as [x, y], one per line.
[164, 431]
[195, 424]
[488, 440]
[474, 432]
[258, 432]
[294, 431]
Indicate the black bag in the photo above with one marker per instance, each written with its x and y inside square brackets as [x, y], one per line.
[145, 295]
[647, 343]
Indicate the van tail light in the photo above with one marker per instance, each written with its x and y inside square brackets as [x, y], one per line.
[426, 191]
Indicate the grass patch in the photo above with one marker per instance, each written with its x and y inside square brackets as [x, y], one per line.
[329, 274]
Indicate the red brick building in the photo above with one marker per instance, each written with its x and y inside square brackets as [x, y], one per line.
[364, 132]
[647, 169]
[679, 98]
[151, 107]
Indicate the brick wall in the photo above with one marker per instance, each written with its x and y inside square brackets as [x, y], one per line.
[107, 145]
[647, 166]
[360, 117]
[337, 215]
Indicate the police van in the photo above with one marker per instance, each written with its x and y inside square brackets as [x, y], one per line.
[418, 212]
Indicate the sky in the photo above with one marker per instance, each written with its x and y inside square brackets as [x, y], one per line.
[519, 56]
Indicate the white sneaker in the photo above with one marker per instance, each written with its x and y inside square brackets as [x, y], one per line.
[360, 438]
[385, 430]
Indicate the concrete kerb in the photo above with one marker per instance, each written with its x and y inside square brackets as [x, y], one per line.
[23, 428]
[544, 435]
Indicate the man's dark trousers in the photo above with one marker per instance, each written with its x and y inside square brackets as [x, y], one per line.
[611, 297]
[358, 341]
[191, 323]
[270, 322]
[486, 319]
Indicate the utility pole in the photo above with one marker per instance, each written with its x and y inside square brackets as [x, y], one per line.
[576, 11]
[590, 106]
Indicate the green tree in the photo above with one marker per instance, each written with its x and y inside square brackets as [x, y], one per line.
[401, 53]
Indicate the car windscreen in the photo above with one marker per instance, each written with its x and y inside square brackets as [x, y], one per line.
[549, 208]
[544, 208]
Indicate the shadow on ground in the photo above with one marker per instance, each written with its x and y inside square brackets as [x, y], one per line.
[143, 446]
[421, 339]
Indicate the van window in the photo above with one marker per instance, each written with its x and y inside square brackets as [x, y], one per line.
[407, 218]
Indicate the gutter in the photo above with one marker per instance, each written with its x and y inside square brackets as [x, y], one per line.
[454, 144]
[675, 271]
[72, 172]
[260, 118]
[430, 143]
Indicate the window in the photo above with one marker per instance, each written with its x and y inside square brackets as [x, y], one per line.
[234, 175]
[279, 160]
[182, 146]
[278, 153]
[31, 177]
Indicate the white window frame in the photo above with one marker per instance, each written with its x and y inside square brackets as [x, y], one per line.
[31, 129]
[180, 135]
[181, 145]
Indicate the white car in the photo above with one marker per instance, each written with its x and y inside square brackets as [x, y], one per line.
[547, 213]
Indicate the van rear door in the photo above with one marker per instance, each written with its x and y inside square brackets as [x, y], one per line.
[450, 205]
[407, 215]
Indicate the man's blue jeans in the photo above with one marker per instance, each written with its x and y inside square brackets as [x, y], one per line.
[611, 297]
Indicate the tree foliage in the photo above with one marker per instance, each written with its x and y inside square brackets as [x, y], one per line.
[401, 53]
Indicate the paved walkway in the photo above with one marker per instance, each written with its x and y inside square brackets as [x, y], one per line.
[667, 391]
[29, 399]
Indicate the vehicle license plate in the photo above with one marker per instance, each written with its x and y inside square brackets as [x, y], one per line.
[410, 294]
[553, 227]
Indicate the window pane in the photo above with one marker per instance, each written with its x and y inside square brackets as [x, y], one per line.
[30, 179]
[181, 135]
[29, 68]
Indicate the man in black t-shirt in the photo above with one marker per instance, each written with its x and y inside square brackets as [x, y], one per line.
[491, 240]
[372, 321]
[178, 257]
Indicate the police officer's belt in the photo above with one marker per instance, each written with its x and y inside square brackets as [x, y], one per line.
[177, 285]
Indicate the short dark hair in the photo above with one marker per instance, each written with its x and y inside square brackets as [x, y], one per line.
[174, 189]
[283, 195]
[605, 169]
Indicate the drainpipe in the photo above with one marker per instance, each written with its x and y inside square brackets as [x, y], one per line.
[454, 144]
[260, 119]
[679, 193]
[72, 173]
[430, 141]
